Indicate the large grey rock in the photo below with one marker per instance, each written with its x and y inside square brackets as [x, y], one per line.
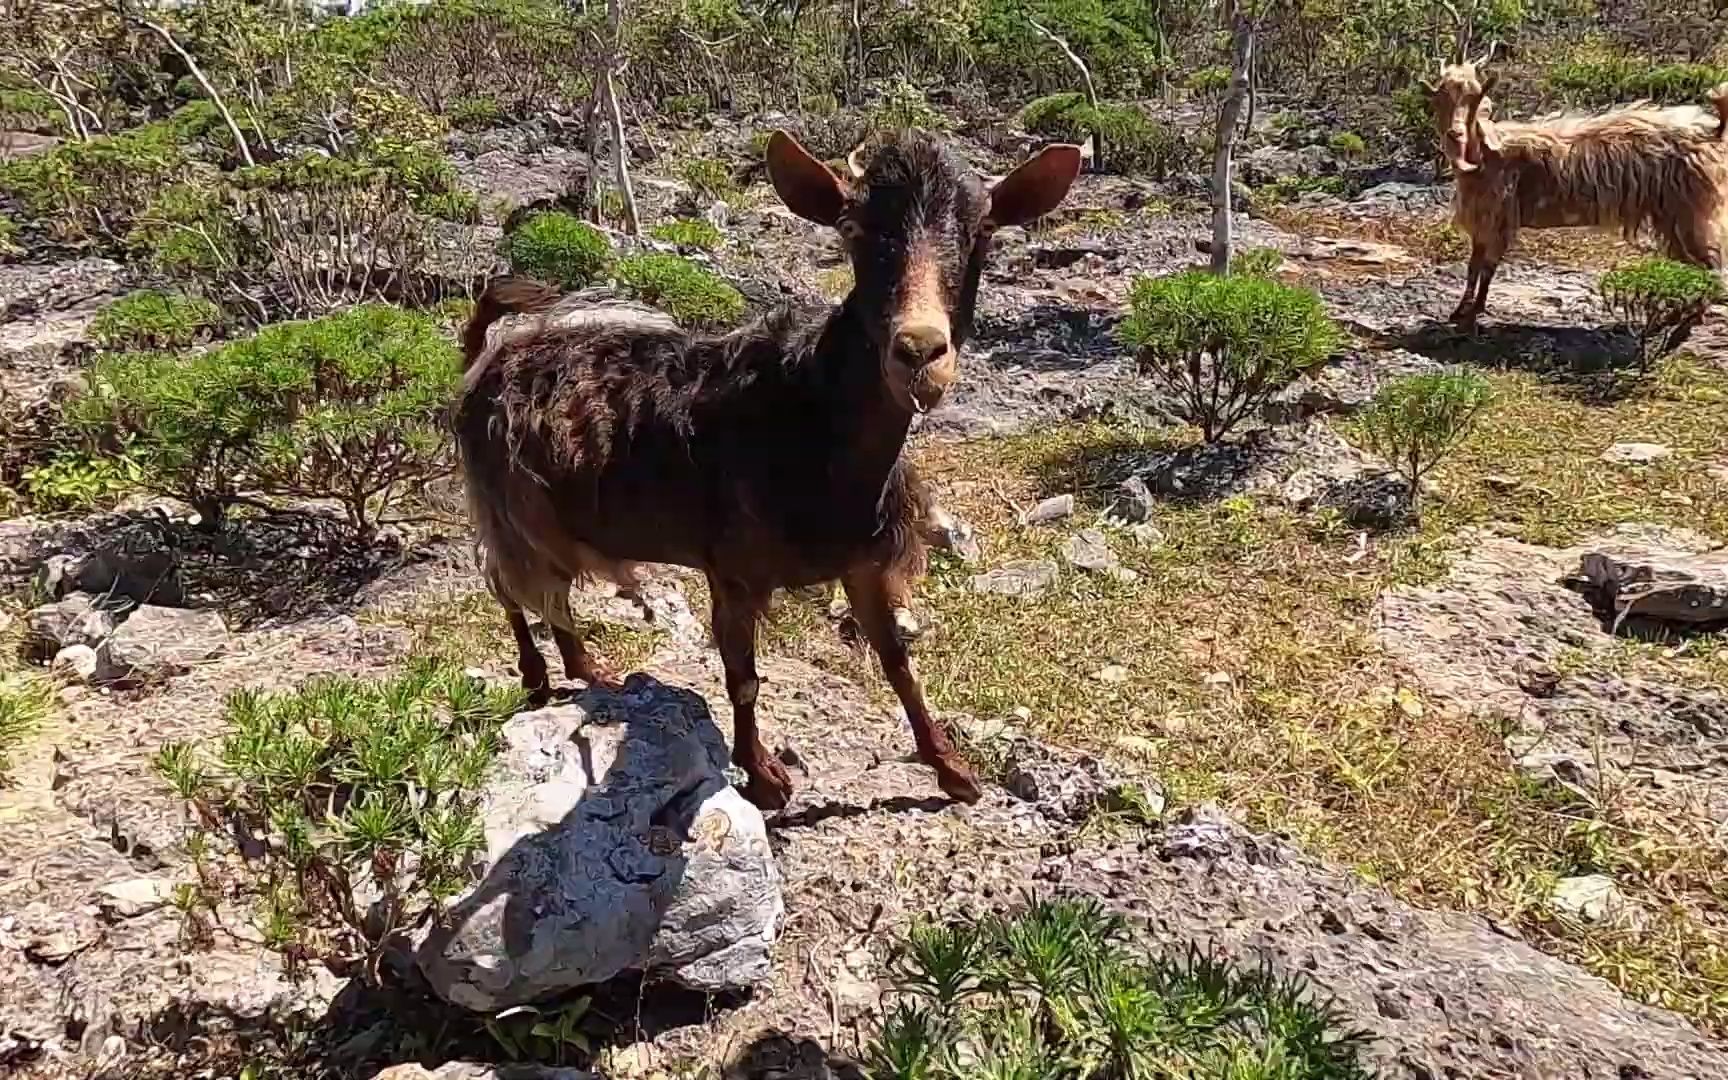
[614, 842]
[76, 619]
[157, 642]
[1686, 588]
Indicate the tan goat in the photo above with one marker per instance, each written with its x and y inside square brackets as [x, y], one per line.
[1641, 169]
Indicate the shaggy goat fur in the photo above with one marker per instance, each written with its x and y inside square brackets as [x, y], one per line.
[597, 435]
[1640, 169]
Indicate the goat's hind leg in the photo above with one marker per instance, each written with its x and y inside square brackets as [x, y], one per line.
[1470, 306]
[529, 662]
[736, 611]
[579, 663]
[870, 590]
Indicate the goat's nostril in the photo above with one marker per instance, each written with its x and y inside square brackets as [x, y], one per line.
[920, 345]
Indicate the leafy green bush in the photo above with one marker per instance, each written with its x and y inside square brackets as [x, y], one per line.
[1660, 301]
[9, 237]
[1415, 422]
[1610, 79]
[1063, 990]
[152, 319]
[462, 207]
[902, 107]
[709, 178]
[1209, 81]
[348, 407]
[684, 290]
[77, 480]
[559, 248]
[24, 703]
[684, 107]
[1128, 140]
[1348, 145]
[367, 789]
[1257, 262]
[188, 231]
[697, 233]
[93, 188]
[1225, 345]
[475, 114]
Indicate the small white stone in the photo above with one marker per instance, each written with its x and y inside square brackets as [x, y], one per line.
[135, 896]
[1635, 453]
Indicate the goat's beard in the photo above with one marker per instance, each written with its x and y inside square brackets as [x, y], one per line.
[920, 390]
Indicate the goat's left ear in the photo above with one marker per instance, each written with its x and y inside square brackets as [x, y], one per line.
[1036, 187]
[1490, 81]
[807, 187]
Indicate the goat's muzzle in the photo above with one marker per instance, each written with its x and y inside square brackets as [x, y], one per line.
[921, 365]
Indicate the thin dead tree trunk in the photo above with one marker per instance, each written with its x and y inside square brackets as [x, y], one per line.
[204, 83]
[855, 91]
[1086, 84]
[1229, 113]
[615, 115]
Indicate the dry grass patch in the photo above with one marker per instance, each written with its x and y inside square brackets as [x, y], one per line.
[1433, 237]
[1239, 666]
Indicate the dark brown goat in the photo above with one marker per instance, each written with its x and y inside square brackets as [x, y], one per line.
[595, 437]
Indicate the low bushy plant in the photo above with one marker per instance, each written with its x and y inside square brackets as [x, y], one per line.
[368, 791]
[1062, 989]
[693, 233]
[1415, 422]
[153, 319]
[9, 245]
[76, 481]
[348, 407]
[1347, 145]
[1257, 262]
[475, 113]
[1224, 345]
[25, 700]
[1615, 79]
[1660, 300]
[1209, 81]
[709, 178]
[93, 188]
[903, 107]
[1128, 140]
[559, 248]
[689, 293]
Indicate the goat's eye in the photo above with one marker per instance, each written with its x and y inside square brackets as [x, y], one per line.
[849, 229]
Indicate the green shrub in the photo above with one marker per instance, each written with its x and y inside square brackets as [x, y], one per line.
[559, 248]
[709, 178]
[1225, 345]
[348, 408]
[475, 114]
[1063, 990]
[1609, 80]
[93, 188]
[684, 107]
[1415, 422]
[75, 481]
[25, 701]
[370, 790]
[1660, 301]
[1209, 81]
[697, 233]
[1348, 145]
[904, 107]
[188, 231]
[9, 237]
[1128, 140]
[1257, 262]
[462, 207]
[152, 319]
[689, 293]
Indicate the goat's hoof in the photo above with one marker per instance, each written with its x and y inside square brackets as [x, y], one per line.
[958, 783]
[539, 693]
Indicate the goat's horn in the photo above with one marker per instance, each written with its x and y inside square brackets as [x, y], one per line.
[852, 162]
[1488, 56]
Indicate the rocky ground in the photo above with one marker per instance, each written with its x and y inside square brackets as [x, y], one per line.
[96, 975]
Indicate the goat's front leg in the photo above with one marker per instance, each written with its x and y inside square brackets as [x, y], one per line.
[736, 611]
[1489, 266]
[528, 659]
[869, 589]
[579, 663]
[1465, 313]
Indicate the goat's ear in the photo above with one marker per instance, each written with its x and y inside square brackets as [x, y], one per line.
[807, 187]
[1489, 133]
[1036, 187]
[1490, 81]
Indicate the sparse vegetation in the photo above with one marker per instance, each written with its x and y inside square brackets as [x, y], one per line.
[1347, 145]
[1061, 989]
[151, 319]
[1225, 345]
[689, 293]
[344, 408]
[692, 233]
[1132, 142]
[1660, 301]
[561, 249]
[24, 703]
[369, 790]
[1415, 422]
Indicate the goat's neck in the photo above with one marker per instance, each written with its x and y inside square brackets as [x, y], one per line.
[872, 425]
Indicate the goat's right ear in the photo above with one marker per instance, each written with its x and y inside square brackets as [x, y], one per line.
[1490, 81]
[807, 187]
[1037, 187]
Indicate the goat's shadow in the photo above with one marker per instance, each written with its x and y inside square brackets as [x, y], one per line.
[1593, 364]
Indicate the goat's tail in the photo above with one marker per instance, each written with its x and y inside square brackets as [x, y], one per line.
[504, 295]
